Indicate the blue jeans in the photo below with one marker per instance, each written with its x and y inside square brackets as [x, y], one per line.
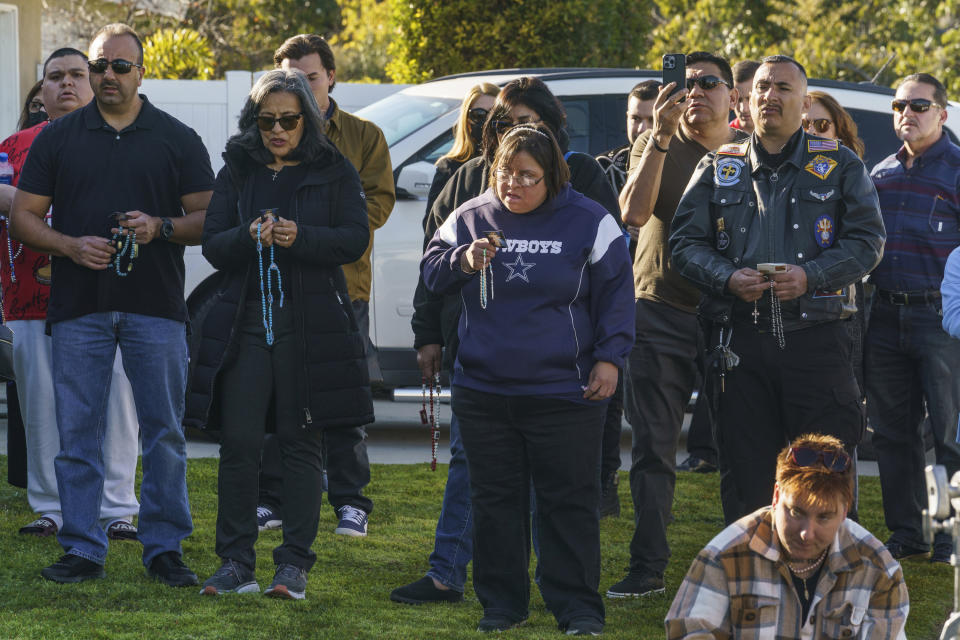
[154, 352]
[910, 361]
[453, 544]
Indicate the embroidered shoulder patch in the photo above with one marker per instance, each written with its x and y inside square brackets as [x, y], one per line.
[822, 145]
[728, 171]
[821, 166]
[733, 149]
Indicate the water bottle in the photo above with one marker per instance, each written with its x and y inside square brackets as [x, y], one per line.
[6, 169]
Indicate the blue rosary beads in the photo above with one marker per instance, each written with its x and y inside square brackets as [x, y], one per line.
[266, 289]
[126, 246]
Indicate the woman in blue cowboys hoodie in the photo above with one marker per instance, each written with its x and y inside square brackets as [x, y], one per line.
[546, 286]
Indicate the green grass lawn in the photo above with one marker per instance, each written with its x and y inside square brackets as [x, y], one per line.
[347, 596]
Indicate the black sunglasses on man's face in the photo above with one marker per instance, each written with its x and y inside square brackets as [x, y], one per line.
[119, 66]
[705, 82]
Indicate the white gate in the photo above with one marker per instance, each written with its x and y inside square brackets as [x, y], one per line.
[9, 70]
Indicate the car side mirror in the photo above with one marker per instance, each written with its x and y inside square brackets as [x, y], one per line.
[415, 179]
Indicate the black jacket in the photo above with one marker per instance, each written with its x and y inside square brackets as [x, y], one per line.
[435, 317]
[331, 216]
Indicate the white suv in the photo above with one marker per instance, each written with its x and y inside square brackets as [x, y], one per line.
[418, 122]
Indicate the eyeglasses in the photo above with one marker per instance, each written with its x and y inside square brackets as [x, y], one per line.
[821, 125]
[836, 461]
[477, 115]
[705, 82]
[287, 123]
[119, 66]
[917, 105]
[505, 177]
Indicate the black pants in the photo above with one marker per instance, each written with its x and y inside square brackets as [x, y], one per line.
[612, 426]
[911, 368]
[774, 396]
[662, 371]
[511, 441]
[16, 440]
[345, 450]
[700, 435]
[263, 375]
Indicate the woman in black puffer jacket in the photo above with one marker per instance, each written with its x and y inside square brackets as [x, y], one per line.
[280, 344]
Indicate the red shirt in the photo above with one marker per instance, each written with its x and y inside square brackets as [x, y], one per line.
[25, 299]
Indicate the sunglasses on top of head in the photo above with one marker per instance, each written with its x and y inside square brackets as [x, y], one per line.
[119, 66]
[917, 105]
[835, 461]
[820, 125]
[287, 123]
[705, 82]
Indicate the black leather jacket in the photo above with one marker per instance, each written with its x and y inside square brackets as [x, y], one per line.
[818, 210]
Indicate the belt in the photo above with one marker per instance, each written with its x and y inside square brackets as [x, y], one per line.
[901, 298]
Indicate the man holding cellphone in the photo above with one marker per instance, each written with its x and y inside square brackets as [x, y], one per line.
[661, 369]
[780, 357]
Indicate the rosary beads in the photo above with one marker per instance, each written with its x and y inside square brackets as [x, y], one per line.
[126, 246]
[484, 279]
[266, 288]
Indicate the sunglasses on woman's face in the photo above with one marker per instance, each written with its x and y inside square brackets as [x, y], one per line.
[820, 125]
[119, 66]
[917, 105]
[477, 115]
[287, 123]
[836, 461]
[704, 82]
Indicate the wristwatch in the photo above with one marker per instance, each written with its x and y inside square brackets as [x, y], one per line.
[166, 228]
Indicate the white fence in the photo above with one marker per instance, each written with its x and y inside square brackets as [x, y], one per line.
[212, 107]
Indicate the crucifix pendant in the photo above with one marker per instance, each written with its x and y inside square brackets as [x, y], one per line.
[756, 312]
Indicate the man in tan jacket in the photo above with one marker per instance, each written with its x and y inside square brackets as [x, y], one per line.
[362, 142]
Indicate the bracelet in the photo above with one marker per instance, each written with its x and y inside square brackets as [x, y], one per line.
[656, 146]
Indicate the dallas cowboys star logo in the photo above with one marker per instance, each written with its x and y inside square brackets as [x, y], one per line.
[519, 268]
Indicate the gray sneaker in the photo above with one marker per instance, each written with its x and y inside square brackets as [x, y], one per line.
[231, 577]
[289, 582]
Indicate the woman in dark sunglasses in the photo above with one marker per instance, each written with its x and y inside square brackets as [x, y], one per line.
[279, 347]
[827, 119]
[467, 135]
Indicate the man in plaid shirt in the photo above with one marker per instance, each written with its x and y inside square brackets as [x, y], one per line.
[796, 569]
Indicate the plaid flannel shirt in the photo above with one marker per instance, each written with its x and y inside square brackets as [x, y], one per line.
[740, 587]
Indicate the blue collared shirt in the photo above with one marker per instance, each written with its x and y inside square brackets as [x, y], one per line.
[921, 211]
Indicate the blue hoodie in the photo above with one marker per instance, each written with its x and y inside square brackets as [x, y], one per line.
[561, 297]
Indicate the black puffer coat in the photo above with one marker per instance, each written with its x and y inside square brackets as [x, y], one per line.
[332, 229]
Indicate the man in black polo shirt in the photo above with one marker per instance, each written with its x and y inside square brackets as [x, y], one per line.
[129, 186]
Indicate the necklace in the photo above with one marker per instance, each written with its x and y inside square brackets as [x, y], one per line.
[126, 246]
[276, 172]
[434, 418]
[484, 279]
[266, 290]
[12, 256]
[809, 569]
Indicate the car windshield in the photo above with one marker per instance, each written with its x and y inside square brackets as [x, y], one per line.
[400, 115]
